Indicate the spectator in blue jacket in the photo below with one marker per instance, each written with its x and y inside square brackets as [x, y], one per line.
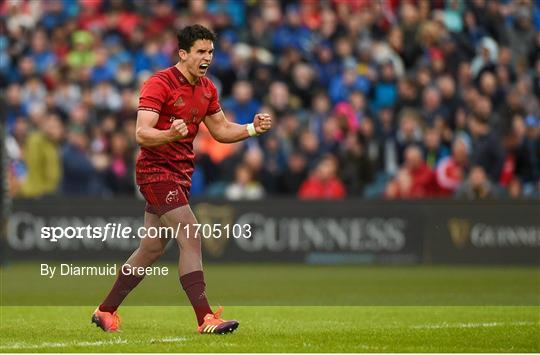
[81, 177]
[242, 103]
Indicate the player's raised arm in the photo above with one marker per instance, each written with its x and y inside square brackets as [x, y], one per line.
[148, 136]
[225, 131]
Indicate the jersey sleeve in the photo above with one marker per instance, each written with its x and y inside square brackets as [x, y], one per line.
[153, 95]
[213, 106]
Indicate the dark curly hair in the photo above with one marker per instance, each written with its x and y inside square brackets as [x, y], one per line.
[188, 35]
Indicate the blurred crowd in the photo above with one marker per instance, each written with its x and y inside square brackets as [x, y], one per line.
[370, 98]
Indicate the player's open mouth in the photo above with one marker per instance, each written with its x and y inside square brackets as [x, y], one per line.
[203, 66]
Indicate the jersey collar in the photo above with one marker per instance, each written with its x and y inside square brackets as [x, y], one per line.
[183, 79]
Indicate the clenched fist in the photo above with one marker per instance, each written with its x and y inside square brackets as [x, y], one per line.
[262, 122]
[179, 129]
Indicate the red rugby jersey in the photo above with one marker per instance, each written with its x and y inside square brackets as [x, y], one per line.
[171, 95]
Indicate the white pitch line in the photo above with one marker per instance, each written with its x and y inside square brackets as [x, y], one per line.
[471, 325]
[168, 340]
[21, 345]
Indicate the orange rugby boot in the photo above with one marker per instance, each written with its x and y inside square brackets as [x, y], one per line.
[213, 324]
[109, 322]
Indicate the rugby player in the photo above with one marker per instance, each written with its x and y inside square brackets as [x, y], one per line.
[173, 102]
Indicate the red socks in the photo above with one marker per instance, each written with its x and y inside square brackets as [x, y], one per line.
[121, 288]
[194, 286]
[192, 283]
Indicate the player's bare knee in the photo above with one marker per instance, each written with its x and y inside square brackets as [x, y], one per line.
[151, 253]
[191, 245]
[193, 242]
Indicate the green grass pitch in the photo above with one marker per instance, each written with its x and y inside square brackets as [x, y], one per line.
[284, 308]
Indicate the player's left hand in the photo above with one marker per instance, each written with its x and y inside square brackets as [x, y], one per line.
[262, 122]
